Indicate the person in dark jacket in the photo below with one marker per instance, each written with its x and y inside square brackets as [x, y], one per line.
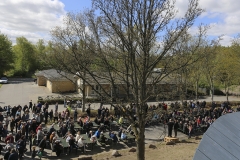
[113, 136]
[12, 125]
[18, 135]
[175, 127]
[42, 144]
[88, 110]
[170, 127]
[34, 153]
[13, 155]
[21, 145]
[64, 130]
[102, 138]
[57, 147]
[51, 115]
[46, 116]
[7, 154]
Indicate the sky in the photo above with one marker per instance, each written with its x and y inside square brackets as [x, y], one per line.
[34, 19]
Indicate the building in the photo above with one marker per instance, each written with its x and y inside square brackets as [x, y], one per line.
[56, 81]
[160, 88]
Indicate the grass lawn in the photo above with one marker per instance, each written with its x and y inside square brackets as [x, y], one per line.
[184, 150]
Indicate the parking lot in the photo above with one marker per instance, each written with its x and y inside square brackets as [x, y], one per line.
[21, 91]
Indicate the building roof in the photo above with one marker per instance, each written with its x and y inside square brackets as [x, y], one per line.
[221, 140]
[103, 78]
[53, 74]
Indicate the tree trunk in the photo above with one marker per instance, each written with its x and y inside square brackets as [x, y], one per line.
[212, 92]
[227, 88]
[140, 141]
[83, 94]
[196, 90]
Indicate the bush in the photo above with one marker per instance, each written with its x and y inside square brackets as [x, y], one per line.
[61, 100]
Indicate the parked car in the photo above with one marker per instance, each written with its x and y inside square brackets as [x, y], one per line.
[4, 80]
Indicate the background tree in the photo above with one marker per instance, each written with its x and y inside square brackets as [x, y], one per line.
[209, 65]
[41, 55]
[130, 39]
[25, 59]
[70, 46]
[227, 68]
[6, 54]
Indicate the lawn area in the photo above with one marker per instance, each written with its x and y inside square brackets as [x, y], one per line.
[184, 150]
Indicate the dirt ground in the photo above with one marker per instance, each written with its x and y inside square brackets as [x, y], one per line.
[184, 150]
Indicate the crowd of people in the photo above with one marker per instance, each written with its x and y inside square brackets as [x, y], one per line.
[192, 118]
[19, 128]
[28, 125]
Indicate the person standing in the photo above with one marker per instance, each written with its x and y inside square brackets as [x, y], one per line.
[51, 115]
[40, 135]
[89, 110]
[170, 127]
[46, 116]
[189, 130]
[175, 127]
[21, 146]
[34, 153]
[7, 154]
[30, 105]
[56, 107]
[42, 144]
[55, 117]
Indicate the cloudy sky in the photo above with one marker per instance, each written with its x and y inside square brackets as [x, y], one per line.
[34, 19]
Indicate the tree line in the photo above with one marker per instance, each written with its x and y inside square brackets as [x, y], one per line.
[23, 58]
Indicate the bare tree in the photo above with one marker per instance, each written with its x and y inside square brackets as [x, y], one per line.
[126, 41]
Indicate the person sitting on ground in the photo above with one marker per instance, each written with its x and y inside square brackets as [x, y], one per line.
[96, 120]
[120, 120]
[86, 119]
[102, 138]
[90, 134]
[78, 136]
[106, 123]
[97, 133]
[93, 138]
[123, 135]
[68, 136]
[81, 144]
[80, 122]
[120, 132]
[113, 136]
